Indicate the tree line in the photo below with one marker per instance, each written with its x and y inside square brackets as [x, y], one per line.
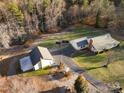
[20, 19]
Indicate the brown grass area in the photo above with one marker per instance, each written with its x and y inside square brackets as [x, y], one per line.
[5, 85]
[43, 84]
[16, 84]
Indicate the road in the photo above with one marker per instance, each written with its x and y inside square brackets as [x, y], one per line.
[64, 56]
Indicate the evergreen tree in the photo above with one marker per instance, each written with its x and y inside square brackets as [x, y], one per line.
[98, 18]
[81, 85]
[16, 12]
[85, 2]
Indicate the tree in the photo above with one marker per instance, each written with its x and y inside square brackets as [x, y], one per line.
[97, 18]
[110, 58]
[16, 12]
[4, 36]
[30, 6]
[81, 85]
[52, 13]
[85, 2]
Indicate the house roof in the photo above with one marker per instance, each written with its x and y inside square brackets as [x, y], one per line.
[78, 43]
[45, 53]
[26, 64]
[103, 42]
[40, 52]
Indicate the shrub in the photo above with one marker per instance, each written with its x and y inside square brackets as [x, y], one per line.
[81, 85]
[61, 66]
[68, 74]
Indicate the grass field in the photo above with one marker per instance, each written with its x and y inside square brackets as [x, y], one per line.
[36, 73]
[79, 31]
[94, 63]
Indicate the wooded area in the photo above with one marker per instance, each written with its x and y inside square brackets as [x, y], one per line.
[19, 20]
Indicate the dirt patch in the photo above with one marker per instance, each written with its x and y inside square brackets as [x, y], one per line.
[40, 84]
[27, 84]
[36, 84]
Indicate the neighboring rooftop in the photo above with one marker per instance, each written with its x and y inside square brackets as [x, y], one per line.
[79, 43]
[104, 42]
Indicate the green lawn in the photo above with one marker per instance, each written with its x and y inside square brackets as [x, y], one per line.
[78, 32]
[93, 63]
[36, 73]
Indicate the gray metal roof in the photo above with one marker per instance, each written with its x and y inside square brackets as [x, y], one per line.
[103, 42]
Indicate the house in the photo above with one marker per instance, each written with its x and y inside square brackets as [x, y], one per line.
[103, 42]
[39, 57]
[95, 44]
[80, 43]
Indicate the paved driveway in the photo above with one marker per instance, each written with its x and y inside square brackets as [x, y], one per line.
[65, 57]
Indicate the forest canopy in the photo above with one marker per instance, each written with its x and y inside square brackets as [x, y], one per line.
[19, 19]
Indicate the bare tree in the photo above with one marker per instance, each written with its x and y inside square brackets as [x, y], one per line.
[52, 14]
[110, 58]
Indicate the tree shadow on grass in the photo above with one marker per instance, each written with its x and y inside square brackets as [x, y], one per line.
[92, 68]
[83, 53]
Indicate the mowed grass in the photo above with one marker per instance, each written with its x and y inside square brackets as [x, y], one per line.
[36, 73]
[78, 32]
[94, 65]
